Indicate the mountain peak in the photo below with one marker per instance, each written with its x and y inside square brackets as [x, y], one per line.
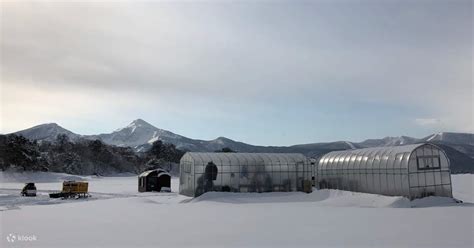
[140, 122]
[450, 137]
[46, 132]
[51, 125]
[136, 123]
[222, 140]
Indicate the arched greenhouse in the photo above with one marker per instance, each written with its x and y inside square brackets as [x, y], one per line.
[243, 172]
[413, 171]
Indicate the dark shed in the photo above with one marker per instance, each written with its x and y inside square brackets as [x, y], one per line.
[154, 180]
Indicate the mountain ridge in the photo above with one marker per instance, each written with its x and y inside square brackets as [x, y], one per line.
[140, 134]
[47, 132]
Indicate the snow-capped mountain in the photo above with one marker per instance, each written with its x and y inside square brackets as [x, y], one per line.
[138, 132]
[140, 135]
[47, 132]
[389, 141]
[454, 138]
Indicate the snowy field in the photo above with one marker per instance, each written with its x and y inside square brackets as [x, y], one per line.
[118, 216]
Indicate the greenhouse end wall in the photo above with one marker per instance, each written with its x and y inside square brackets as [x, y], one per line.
[243, 172]
[413, 171]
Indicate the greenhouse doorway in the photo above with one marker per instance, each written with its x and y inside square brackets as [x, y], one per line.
[299, 176]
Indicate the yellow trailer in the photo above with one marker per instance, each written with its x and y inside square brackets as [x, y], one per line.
[72, 189]
[75, 187]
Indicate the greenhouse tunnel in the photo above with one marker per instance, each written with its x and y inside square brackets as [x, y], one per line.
[243, 172]
[413, 171]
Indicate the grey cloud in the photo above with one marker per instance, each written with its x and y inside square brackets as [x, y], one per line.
[395, 51]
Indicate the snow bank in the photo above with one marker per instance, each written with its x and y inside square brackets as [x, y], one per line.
[119, 216]
[463, 187]
[159, 221]
[326, 197]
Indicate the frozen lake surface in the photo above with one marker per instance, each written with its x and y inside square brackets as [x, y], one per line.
[118, 216]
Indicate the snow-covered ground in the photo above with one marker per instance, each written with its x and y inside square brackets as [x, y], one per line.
[118, 216]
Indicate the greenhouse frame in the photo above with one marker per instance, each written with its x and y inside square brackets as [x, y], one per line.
[243, 172]
[413, 171]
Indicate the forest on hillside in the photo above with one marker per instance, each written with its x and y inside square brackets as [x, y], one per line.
[83, 157]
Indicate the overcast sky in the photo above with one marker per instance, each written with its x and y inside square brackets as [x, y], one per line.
[269, 73]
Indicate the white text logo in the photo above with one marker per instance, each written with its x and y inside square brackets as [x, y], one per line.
[11, 238]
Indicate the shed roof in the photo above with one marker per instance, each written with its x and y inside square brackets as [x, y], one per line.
[159, 171]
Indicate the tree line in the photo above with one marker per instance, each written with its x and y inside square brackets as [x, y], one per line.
[83, 157]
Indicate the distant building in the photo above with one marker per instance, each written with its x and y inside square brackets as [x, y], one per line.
[154, 180]
[243, 172]
[413, 171]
